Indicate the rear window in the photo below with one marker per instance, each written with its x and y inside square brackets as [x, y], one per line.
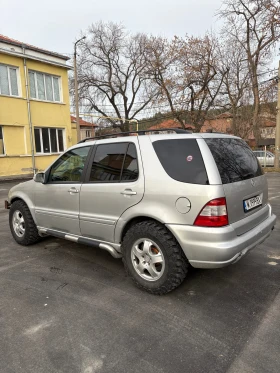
[234, 159]
[182, 160]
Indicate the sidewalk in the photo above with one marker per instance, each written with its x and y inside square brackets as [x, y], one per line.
[24, 177]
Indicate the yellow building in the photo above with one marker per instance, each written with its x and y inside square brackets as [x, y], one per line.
[35, 125]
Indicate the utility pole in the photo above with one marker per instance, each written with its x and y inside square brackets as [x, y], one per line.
[277, 131]
[76, 90]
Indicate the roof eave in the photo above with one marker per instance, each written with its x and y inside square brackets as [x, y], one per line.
[48, 53]
[12, 53]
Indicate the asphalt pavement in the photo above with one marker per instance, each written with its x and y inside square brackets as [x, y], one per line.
[70, 308]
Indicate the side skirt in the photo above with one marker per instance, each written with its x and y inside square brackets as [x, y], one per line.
[113, 249]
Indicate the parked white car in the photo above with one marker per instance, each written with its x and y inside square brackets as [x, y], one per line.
[267, 160]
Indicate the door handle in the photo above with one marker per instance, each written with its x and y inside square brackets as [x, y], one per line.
[128, 192]
[73, 190]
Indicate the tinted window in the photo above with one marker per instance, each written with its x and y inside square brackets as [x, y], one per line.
[182, 160]
[234, 159]
[108, 162]
[69, 167]
[130, 167]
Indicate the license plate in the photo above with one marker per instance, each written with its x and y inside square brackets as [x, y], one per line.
[252, 203]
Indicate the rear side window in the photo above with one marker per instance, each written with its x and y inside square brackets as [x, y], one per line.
[234, 158]
[182, 160]
[130, 167]
[114, 163]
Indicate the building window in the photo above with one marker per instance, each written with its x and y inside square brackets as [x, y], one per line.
[44, 87]
[88, 133]
[9, 80]
[2, 149]
[49, 140]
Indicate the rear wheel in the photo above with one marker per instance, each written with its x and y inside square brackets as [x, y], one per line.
[153, 258]
[22, 224]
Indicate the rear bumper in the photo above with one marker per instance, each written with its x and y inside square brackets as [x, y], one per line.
[219, 247]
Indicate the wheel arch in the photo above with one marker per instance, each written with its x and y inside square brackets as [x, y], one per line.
[26, 200]
[139, 219]
[134, 221]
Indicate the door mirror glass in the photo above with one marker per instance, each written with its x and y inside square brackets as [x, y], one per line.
[39, 177]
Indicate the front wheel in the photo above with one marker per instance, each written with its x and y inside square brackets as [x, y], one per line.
[153, 258]
[22, 224]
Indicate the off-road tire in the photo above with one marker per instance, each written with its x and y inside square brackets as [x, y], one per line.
[31, 235]
[176, 263]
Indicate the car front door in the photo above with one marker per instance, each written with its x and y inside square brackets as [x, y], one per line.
[114, 182]
[57, 201]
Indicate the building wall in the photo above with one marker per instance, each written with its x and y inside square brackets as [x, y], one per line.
[14, 120]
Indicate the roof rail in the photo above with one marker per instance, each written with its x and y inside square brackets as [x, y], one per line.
[137, 133]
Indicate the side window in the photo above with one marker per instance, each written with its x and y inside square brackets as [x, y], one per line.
[130, 167]
[113, 163]
[182, 160]
[108, 162]
[69, 167]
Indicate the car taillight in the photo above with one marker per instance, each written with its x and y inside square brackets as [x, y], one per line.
[213, 214]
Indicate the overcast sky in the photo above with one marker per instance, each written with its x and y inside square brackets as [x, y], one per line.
[55, 24]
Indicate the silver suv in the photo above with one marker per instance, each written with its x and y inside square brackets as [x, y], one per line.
[162, 202]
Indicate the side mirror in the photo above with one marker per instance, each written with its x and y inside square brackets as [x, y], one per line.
[40, 178]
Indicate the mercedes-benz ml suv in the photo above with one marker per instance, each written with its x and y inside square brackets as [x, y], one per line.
[162, 202]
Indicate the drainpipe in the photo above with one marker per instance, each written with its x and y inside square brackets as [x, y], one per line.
[29, 112]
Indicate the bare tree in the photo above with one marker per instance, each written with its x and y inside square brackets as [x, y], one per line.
[112, 73]
[162, 58]
[236, 86]
[203, 77]
[185, 70]
[255, 24]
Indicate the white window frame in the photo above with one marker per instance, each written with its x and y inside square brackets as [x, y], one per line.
[4, 154]
[49, 133]
[9, 81]
[36, 86]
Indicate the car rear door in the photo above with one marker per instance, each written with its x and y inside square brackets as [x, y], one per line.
[243, 181]
[114, 182]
